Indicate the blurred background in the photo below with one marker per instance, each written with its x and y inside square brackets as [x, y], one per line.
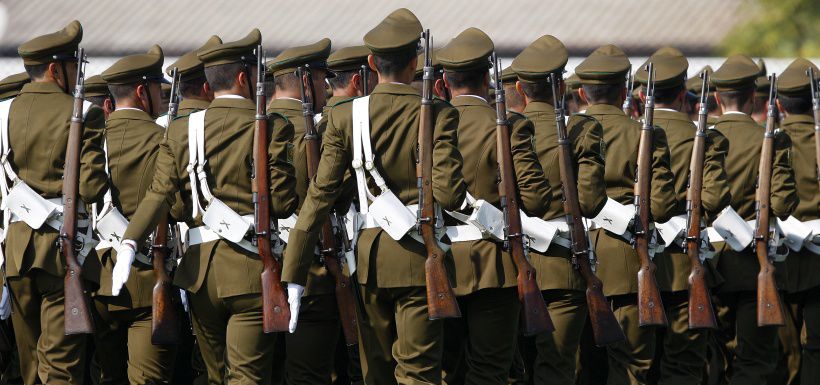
[705, 30]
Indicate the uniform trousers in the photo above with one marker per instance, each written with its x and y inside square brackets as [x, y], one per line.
[629, 361]
[755, 348]
[684, 350]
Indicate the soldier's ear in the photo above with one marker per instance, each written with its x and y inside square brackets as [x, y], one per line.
[520, 91]
[356, 82]
[583, 94]
[371, 62]
[780, 108]
[206, 90]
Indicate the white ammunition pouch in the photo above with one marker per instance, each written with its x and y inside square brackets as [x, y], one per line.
[163, 121]
[28, 206]
[615, 218]
[484, 222]
[798, 234]
[539, 233]
[673, 232]
[729, 227]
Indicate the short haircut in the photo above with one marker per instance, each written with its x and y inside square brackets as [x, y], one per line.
[191, 87]
[222, 77]
[393, 63]
[96, 100]
[737, 97]
[538, 91]
[286, 81]
[604, 93]
[36, 71]
[122, 91]
[466, 79]
[668, 95]
[269, 89]
[796, 105]
[513, 98]
[342, 79]
[711, 103]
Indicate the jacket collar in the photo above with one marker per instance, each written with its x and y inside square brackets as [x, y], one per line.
[671, 115]
[233, 103]
[285, 104]
[193, 104]
[130, 114]
[42, 88]
[539, 107]
[798, 119]
[469, 100]
[395, 89]
[736, 117]
[604, 109]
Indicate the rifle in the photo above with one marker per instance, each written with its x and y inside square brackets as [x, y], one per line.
[364, 73]
[630, 85]
[78, 318]
[815, 100]
[331, 253]
[650, 306]
[275, 308]
[701, 312]
[605, 326]
[769, 307]
[535, 318]
[165, 314]
[441, 300]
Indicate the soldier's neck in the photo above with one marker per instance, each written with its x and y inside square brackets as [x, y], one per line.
[668, 106]
[398, 78]
[482, 92]
[287, 93]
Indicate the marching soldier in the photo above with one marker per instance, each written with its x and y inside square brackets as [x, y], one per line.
[222, 277]
[96, 92]
[562, 286]
[756, 347]
[684, 350]
[124, 350]
[515, 102]
[406, 345]
[38, 122]
[602, 77]
[11, 85]
[346, 64]
[485, 273]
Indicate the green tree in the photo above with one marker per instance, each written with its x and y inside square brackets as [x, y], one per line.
[776, 28]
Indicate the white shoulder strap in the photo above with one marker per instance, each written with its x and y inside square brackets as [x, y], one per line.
[196, 122]
[363, 158]
[6, 173]
[201, 161]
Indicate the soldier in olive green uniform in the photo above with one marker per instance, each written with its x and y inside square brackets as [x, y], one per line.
[562, 286]
[756, 352]
[803, 267]
[602, 75]
[405, 346]
[438, 72]
[310, 349]
[96, 92]
[11, 85]
[347, 65]
[684, 350]
[486, 283]
[38, 128]
[515, 102]
[124, 350]
[222, 277]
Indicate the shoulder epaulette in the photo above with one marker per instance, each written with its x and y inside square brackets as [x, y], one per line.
[438, 99]
[516, 114]
[274, 114]
[183, 116]
[343, 101]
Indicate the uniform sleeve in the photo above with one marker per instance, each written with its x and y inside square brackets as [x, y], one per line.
[533, 188]
[784, 192]
[715, 193]
[160, 195]
[662, 199]
[283, 197]
[93, 179]
[589, 153]
[449, 187]
[321, 195]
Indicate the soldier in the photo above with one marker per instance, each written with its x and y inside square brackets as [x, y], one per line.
[756, 351]
[11, 85]
[574, 104]
[124, 350]
[515, 102]
[602, 76]
[96, 92]
[346, 64]
[684, 350]
[438, 85]
[803, 266]
[762, 87]
[38, 119]
[310, 349]
[407, 345]
[222, 277]
[562, 286]
[485, 273]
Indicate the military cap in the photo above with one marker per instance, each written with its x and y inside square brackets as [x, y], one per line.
[508, 75]
[348, 58]
[60, 45]
[695, 84]
[136, 68]
[189, 66]
[794, 81]
[541, 58]
[420, 64]
[96, 86]
[606, 65]
[399, 31]
[762, 84]
[573, 82]
[670, 68]
[468, 51]
[737, 72]
[11, 85]
[240, 51]
[314, 55]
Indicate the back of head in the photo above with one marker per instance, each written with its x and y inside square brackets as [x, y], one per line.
[534, 65]
[794, 87]
[223, 62]
[603, 75]
[394, 42]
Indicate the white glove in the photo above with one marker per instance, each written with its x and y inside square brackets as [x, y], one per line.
[126, 252]
[183, 296]
[295, 292]
[5, 304]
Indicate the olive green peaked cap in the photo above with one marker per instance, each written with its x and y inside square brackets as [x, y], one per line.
[96, 86]
[136, 68]
[508, 75]
[794, 81]
[60, 45]
[314, 55]
[541, 58]
[605, 65]
[348, 58]
[399, 31]
[737, 72]
[189, 65]
[573, 82]
[240, 51]
[11, 85]
[670, 68]
[420, 64]
[694, 84]
[468, 51]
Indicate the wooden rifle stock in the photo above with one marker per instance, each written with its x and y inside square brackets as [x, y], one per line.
[441, 300]
[650, 306]
[701, 312]
[605, 327]
[769, 307]
[275, 308]
[815, 101]
[331, 253]
[78, 317]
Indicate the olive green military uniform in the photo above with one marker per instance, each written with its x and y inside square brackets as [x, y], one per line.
[756, 352]
[484, 337]
[38, 132]
[391, 273]
[684, 350]
[124, 351]
[618, 263]
[11, 85]
[562, 286]
[310, 349]
[223, 279]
